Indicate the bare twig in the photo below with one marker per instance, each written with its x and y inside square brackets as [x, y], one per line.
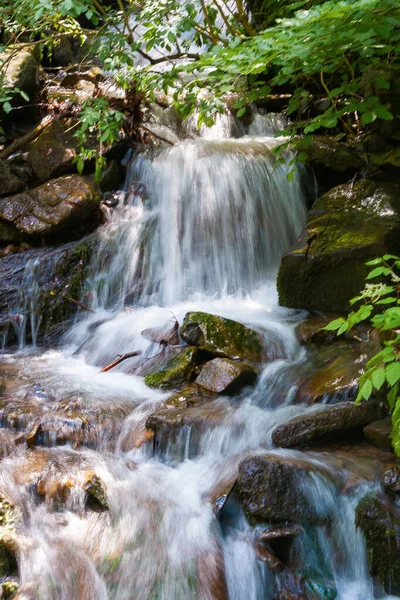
[82, 306]
[120, 358]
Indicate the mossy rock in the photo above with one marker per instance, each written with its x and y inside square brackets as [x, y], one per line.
[222, 337]
[58, 274]
[175, 370]
[379, 520]
[346, 227]
[21, 71]
[68, 280]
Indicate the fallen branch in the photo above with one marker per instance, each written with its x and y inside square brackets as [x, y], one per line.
[120, 359]
[82, 306]
[25, 139]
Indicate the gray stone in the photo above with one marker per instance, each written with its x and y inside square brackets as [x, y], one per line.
[327, 423]
[224, 376]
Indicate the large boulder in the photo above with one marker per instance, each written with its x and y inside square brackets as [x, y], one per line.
[327, 374]
[272, 489]
[224, 376]
[20, 70]
[347, 226]
[379, 520]
[52, 153]
[50, 208]
[222, 337]
[330, 422]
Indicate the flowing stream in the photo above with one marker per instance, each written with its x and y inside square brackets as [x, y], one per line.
[203, 228]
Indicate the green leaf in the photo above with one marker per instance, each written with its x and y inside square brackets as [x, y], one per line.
[366, 390]
[80, 163]
[392, 396]
[377, 272]
[378, 378]
[375, 261]
[334, 325]
[393, 373]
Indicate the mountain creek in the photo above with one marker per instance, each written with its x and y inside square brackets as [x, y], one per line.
[169, 431]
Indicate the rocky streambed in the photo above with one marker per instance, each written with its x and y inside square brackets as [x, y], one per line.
[167, 430]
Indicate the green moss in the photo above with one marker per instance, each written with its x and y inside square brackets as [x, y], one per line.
[345, 228]
[173, 372]
[71, 271]
[219, 335]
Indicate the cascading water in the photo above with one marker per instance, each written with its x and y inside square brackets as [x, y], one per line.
[203, 228]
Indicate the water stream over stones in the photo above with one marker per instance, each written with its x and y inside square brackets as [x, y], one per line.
[120, 496]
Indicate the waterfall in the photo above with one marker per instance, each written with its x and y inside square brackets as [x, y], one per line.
[204, 218]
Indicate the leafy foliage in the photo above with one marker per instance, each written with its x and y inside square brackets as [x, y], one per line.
[103, 123]
[380, 304]
[199, 52]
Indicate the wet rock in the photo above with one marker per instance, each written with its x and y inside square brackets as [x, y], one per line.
[310, 330]
[175, 370]
[379, 520]
[330, 373]
[63, 479]
[303, 585]
[166, 335]
[224, 376]
[274, 544]
[52, 207]
[347, 226]
[379, 432]
[222, 336]
[329, 423]
[21, 71]
[189, 396]
[45, 279]
[51, 155]
[182, 429]
[204, 415]
[95, 489]
[271, 489]
[391, 479]
[73, 419]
